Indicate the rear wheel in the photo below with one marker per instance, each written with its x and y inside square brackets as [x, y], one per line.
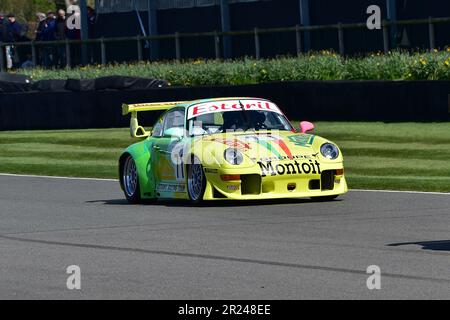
[130, 181]
[196, 182]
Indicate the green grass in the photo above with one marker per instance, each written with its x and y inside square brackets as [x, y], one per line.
[405, 156]
[322, 65]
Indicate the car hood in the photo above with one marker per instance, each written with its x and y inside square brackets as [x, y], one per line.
[266, 145]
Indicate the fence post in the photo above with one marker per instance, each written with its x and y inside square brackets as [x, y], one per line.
[257, 45]
[298, 39]
[139, 48]
[33, 53]
[177, 46]
[385, 37]
[341, 39]
[68, 55]
[103, 50]
[431, 33]
[2, 57]
[217, 44]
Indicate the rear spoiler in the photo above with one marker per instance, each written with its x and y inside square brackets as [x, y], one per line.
[136, 130]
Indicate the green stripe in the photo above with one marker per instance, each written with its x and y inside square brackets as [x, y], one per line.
[269, 147]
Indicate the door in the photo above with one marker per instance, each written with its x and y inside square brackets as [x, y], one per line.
[169, 171]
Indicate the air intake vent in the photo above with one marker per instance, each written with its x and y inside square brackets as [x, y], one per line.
[250, 184]
[327, 180]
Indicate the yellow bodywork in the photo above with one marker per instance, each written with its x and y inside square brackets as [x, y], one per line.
[276, 164]
[290, 169]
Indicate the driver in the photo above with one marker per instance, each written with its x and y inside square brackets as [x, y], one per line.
[233, 120]
[259, 119]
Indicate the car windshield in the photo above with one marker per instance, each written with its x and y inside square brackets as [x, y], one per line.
[239, 120]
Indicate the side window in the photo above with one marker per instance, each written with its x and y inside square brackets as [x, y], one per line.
[174, 119]
[158, 127]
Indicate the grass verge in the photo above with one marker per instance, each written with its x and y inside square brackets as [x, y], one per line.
[406, 156]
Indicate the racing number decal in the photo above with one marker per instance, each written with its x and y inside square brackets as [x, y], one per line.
[180, 171]
[179, 163]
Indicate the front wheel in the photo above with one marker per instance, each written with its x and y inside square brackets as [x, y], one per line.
[196, 182]
[130, 181]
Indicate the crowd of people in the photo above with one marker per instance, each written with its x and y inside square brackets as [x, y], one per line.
[52, 26]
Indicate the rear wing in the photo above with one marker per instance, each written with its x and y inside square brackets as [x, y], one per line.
[136, 130]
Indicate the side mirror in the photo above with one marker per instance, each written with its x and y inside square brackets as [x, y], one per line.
[306, 127]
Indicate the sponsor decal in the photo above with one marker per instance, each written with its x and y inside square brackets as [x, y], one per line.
[170, 187]
[234, 143]
[283, 158]
[284, 147]
[264, 141]
[305, 140]
[295, 167]
[231, 105]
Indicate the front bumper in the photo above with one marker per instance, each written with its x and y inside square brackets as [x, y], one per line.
[285, 182]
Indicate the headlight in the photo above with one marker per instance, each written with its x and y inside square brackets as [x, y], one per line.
[233, 156]
[329, 151]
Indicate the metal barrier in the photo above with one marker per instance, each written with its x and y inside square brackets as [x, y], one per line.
[216, 39]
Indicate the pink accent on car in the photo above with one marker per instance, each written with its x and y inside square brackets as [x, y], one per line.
[306, 126]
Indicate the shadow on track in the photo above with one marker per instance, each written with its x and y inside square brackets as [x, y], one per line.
[441, 245]
[212, 204]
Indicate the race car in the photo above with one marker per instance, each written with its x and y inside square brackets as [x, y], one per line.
[227, 149]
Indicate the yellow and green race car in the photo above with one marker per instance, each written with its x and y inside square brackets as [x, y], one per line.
[227, 148]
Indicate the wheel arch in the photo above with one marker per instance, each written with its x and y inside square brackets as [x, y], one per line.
[141, 156]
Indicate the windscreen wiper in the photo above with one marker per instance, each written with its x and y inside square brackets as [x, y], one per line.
[247, 118]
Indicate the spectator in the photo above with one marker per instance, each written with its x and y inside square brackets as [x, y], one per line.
[49, 34]
[14, 29]
[3, 34]
[92, 19]
[14, 34]
[40, 20]
[61, 28]
[40, 25]
[3, 28]
[61, 35]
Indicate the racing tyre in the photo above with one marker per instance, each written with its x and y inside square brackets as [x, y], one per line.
[196, 182]
[130, 181]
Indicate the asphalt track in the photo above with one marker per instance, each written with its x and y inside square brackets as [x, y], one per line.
[261, 250]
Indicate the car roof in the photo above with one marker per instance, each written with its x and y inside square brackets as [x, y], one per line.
[195, 102]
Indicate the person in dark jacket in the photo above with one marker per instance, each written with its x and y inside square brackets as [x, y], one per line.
[3, 34]
[14, 29]
[49, 31]
[3, 28]
[61, 35]
[61, 27]
[14, 34]
[40, 22]
[92, 20]
[49, 34]
[40, 25]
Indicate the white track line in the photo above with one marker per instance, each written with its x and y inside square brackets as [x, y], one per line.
[402, 191]
[116, 180]
[55, 177]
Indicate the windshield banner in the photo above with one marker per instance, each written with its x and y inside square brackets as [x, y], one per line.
[231, 105]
